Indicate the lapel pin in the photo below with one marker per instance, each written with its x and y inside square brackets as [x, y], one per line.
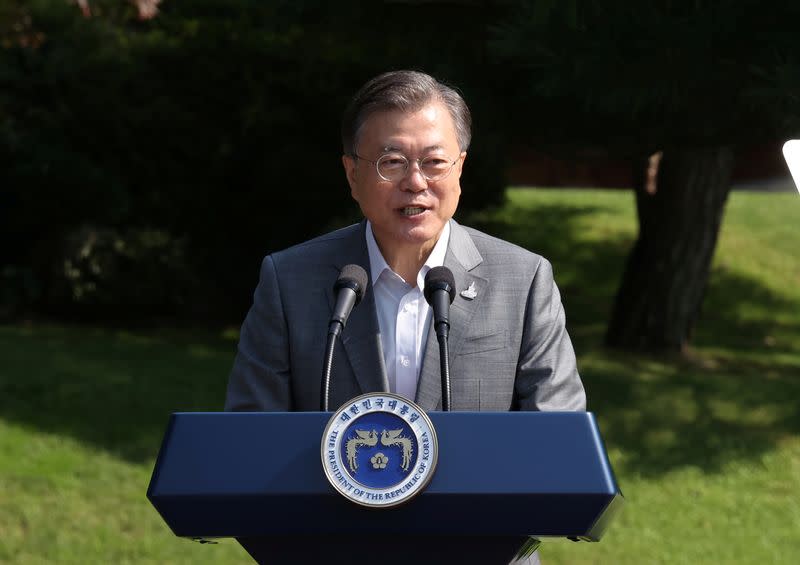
[470, 293]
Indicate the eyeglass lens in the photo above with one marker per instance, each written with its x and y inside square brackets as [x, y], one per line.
[394, 166]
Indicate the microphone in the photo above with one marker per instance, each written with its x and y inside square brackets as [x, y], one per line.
[440, 290]
[349, 289]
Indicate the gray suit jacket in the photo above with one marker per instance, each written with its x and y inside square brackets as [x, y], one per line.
[509, 348]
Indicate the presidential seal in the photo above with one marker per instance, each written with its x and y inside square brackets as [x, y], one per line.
[379, 450]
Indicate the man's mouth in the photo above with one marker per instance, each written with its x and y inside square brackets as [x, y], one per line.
[411, 210]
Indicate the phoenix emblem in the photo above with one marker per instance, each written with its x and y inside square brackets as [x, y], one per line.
[393, 437]
[388, 438]
[364, 437]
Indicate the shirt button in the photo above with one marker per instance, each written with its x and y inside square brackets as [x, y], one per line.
[405, 361]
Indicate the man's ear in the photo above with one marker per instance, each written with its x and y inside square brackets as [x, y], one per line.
[463, 157]
[349, 164]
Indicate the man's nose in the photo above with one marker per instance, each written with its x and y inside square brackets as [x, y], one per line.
[414, 180]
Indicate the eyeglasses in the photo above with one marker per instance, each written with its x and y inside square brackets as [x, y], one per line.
[394, 166]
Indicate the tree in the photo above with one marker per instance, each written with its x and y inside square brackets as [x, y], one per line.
[690, 81]
[184, 147]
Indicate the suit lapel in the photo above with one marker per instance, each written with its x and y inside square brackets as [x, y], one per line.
[361, 336]
[462, 256]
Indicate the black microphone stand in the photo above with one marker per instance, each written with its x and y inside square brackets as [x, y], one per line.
[444, 363]
[333, 333]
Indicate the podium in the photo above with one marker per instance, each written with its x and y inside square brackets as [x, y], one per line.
[501, 478]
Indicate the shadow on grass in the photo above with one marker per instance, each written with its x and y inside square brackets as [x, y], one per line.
[735, 398]
[665, 415]
[115, 390]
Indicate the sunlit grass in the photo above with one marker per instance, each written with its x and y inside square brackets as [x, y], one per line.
[706, 448]
[81, 414]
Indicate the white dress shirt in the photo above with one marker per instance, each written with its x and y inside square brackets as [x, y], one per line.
[404, 316]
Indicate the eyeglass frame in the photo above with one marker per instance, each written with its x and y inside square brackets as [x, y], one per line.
[419, 161]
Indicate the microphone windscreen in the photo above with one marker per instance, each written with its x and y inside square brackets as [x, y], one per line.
[354, 277]
[440, 278]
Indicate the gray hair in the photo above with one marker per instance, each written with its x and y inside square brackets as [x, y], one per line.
[406, 91]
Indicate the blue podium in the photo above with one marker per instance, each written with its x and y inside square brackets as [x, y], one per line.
[501, 477]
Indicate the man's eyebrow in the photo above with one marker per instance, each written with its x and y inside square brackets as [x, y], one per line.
[429, 148]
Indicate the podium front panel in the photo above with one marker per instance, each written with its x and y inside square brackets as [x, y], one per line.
[256, 474]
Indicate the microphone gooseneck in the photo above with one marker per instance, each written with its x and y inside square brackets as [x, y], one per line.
[349, 290]
[440, 290]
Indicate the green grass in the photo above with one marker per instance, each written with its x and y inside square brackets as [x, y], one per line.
[81, 414]
[705, 448]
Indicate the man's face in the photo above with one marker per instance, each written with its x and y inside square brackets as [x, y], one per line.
[411, 212]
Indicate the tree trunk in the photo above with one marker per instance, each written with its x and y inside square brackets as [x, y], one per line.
[665, 277]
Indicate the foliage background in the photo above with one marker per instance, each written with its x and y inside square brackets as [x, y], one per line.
[148, 166]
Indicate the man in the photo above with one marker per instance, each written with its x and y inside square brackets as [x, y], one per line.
[405, 139]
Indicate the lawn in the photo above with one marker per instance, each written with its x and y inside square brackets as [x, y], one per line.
[705, 448]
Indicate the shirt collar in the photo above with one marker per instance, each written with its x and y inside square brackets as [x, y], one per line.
[377, 264]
